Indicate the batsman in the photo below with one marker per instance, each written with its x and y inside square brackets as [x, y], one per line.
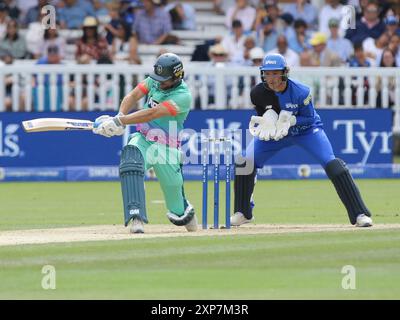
[155, 144]
[286, 117]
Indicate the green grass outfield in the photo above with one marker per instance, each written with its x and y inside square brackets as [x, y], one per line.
[263, 266]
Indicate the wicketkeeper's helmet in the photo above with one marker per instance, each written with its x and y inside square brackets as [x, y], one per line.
[168, 66]
[272, 62]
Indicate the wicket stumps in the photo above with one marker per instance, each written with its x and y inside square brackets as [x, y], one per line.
[215, 145]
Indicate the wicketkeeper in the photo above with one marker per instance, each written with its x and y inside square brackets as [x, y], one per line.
[155, 145]
[286, 117]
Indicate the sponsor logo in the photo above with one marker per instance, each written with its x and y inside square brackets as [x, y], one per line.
[270, 62]
[291, 105]
[9, 140]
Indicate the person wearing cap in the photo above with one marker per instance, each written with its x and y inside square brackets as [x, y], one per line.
[256, 56]
[321, 56]
[336, 43]
[332, 9]
[286, 117]
[91, 46]
[392, 25]
[72, 15]
[219, 57]
[156, 144]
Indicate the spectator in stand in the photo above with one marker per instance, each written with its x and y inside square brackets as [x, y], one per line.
[392, 25]
[241, 11]
[221, 6]
[128, 11]
[249, 44]
[52, 57]
[302, 9]
[219, 59]
[299, 42]
[8, 83]
[359, 60]
[343, 47]
[373, 48]
[23, 7]
[13, 44]
[13, 11]
[100, 9]
[369, 26]
[4, 19]
[92, 45]
[114, 28]
[183, 15]
[333, 9]
[53, 39]
[34, 37]
[291, 57]
[234, 43]
[152, 26]
[256, 56]
[267, 36]
[394, 45]
[321, 56]
[34, 12]
[387, 61]
[73, 13]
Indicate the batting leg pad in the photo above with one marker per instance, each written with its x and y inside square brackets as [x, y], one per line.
[244, 187]
[347, 190]
[131, 172]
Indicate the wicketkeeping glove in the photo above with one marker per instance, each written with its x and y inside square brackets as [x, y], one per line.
[285, 121]
[265, 129]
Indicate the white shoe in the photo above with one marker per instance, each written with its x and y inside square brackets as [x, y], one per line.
[238, 219]
[363, 221]
[137, 226]
[191, 226]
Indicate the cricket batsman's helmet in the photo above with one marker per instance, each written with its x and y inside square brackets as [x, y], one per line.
[168, 66]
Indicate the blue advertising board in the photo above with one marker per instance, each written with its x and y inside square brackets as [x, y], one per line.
[360, 137]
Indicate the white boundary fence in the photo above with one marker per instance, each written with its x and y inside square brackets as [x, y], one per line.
[101, 87]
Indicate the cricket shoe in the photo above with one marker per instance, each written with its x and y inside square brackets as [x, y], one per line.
[363, 221]
[137, 226]
[191, 226]
[238, 219]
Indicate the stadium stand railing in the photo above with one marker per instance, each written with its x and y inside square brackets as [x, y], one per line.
[212, 88]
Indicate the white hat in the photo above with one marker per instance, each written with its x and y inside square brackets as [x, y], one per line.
[256, 53]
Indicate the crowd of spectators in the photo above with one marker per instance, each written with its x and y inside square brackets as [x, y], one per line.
[113, 30]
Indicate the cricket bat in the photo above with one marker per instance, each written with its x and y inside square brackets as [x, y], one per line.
[56, 124]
